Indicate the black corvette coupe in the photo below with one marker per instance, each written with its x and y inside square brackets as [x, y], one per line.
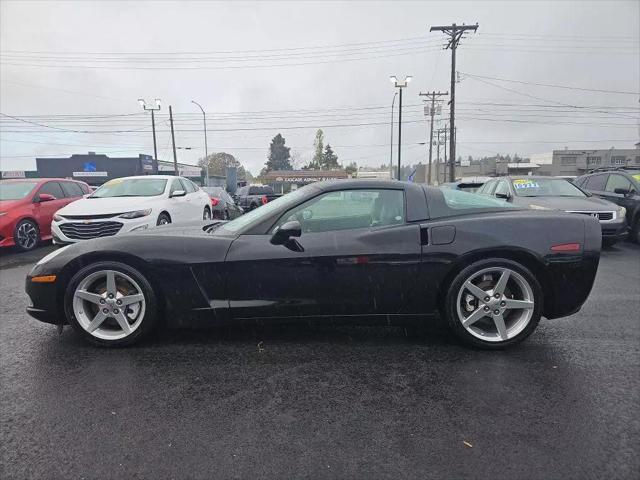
[377, 250]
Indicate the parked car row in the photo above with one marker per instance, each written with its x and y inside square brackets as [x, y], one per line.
[28, 205]
[67, 211]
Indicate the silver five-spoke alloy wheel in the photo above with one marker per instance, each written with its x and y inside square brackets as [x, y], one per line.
[26, 235]
[109, 304]
[495, 304]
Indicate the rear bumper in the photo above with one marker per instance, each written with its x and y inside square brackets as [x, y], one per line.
[571, 282]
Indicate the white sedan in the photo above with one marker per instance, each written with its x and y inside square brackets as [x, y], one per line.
[128, 204]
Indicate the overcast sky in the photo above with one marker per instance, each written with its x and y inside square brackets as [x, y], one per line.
[262, 68]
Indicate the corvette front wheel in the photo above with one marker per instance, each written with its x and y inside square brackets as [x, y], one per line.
[110, 304]
[494, 303]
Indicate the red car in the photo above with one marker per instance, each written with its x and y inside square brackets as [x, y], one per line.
[27, 206]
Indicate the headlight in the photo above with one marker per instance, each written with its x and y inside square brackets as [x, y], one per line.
[136, 214]
[622, 212]
[57, 218]
[538, 207]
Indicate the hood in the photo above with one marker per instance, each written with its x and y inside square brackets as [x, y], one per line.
[104, 206]
[180, 229]
[569, 203]
[6, 205]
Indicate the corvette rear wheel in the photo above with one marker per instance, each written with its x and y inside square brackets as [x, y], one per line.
[110, 304]
[494, 303]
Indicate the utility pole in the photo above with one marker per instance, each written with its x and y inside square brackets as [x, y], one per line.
[173, 141]
[438, 159]
[444, 174]
[399, 135]
[400, 85]
[391, 142]
[433, 96]
[454, 32]
[144, 106]
[206, 152]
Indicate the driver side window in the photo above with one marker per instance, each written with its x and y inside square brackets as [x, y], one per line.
[175, 186]
[502, 188]
[348, 209]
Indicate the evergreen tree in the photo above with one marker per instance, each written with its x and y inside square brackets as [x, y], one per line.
[329, 159]
[278, 155]
[318, 146]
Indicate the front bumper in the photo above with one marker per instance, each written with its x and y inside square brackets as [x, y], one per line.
[93, 230]
[6, 232]
[614, 231]
[44, 302]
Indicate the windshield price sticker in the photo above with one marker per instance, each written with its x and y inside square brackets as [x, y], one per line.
[525, 184]
[115, 181]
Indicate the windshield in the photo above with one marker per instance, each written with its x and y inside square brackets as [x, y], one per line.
[16, 190]
[461, 200]
[260, 213]
[131, 187]
[213, 190]
[546, 187]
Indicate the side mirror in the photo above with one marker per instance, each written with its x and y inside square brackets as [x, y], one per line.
[504, 196]
[178, 193]
[622, 191]
[283, 234]
[44, 197]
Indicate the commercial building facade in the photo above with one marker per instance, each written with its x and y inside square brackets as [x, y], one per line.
[95, 169]
[578, 162]
[283, 181]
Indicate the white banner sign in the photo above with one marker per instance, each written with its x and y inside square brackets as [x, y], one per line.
[90, 174]
[13, 174]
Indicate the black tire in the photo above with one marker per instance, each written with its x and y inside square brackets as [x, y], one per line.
[450, 306]
[149, 319]
[206, 214]
[163, 219]
[31, 241]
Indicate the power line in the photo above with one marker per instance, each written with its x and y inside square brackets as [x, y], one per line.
[568, 87]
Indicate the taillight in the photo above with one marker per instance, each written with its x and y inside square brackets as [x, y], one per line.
[215, 201]
[264, 199]
[566, 247]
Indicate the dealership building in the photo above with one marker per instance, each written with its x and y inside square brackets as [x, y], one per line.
[95, 169]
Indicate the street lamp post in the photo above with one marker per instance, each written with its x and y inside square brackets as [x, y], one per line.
[400, 85]
[391, 142]
[206, 152]
[144, 106]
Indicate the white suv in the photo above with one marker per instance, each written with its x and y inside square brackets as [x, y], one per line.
[130, 203]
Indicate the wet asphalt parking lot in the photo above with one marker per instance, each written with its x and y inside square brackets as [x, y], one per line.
[323, 401]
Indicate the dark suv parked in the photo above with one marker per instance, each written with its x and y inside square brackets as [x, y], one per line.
[552, 193]
[620, 186]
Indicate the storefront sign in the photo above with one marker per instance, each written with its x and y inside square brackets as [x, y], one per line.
[13, 174]
[306, 179]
